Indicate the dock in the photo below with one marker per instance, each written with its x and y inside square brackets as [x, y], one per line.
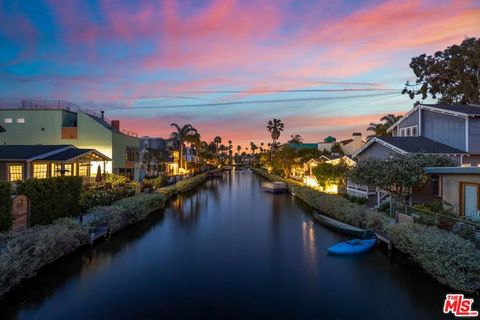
[382, 237]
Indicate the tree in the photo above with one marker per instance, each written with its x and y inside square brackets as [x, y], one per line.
[328, 173]
[451, 75]
[275, 127]
[380, 129]
[336, 148]
[296, 139]
[283, 159]
[186, 133]
[398, 174]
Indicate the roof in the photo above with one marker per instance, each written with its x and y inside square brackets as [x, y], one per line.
[453, 170]
[25, 152]
[330, 139]
[74, 153]
[469, 109]
[411, 145]
[64, 152]
[303, 145]
[457, 110]
[344, 142]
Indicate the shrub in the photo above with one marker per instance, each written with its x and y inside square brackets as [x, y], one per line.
[115, 218]
[52, 198]
[115, 180]
[156, 182]
[25, 253]
[5, 206]
[142, 204]
[97, 197]
[168, 192]
[190, 183]
[451, 260]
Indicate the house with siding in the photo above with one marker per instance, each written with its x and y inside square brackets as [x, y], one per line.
[63, 123]
[450, 130]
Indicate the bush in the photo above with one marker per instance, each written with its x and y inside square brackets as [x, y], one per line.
[451, 260]
[5, 206]
[126, 211]
[51, 198]
[354, 199]
[115, 180]
[190, 183]
[156, 182]
[25, 253]
[97, 197]
[168, 192]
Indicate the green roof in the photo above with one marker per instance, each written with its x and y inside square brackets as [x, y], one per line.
[330, 139]
[303, 145]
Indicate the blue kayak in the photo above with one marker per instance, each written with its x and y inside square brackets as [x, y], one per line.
[352, 246]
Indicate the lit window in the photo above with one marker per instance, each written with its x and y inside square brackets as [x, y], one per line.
[57, 169]
[8, 120]
[40, 170]
[83, 170]
[15, 172]
[20, 120]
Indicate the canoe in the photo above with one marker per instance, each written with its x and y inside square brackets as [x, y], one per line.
[343, 227]
[354, 246]
[275, 187]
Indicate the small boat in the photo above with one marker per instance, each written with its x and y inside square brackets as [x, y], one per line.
[354, 246]
[343, 227]
[274, 187]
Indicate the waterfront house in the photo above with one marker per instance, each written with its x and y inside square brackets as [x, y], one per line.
[156, 162]
[450, 130]
[459, 187]
[348, 146]
[21, 162]
[61, 123]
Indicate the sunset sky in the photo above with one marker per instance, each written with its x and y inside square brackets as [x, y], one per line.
[226, 67]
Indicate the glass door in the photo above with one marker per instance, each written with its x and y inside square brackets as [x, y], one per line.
[470, 201]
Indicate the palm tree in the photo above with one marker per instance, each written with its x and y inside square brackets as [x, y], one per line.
[275, 127]
[186, 133]
[296, 139]
[239, 148]
[380, 129]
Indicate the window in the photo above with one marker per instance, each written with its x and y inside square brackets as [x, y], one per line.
[414, 131]
[20, 120]
[40, 170]
[8, 120]
[131, 154]
[83, 169]
[409, 131]
[57, 169]
[15, 172]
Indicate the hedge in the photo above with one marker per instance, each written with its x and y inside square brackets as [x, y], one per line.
[447, 257]
[5, 206]
[52, 198]
[24, 254]
[127, 211]
[98, 197]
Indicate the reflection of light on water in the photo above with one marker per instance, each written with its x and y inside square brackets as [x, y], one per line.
[309, 245]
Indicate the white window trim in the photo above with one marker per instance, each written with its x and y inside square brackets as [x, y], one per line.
[403, 131]
[8, 120]
[20, 120]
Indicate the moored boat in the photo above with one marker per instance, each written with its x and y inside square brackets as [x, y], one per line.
[344, 227]
[354, 246]
[274, 187]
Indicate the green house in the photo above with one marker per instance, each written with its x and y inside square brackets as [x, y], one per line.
[61, 123]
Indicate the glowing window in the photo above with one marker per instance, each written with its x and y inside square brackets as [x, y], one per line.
[40, 170]
[57, 169]
[83, 170]
[20, 120]
[8, 120]
[15, 172]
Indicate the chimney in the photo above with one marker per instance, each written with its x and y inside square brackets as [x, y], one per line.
[356, 136]
[103, 114]
[116, 124]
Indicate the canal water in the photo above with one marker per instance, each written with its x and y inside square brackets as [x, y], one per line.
[227, 251]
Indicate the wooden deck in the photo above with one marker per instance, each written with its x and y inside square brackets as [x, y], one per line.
[382, 237]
